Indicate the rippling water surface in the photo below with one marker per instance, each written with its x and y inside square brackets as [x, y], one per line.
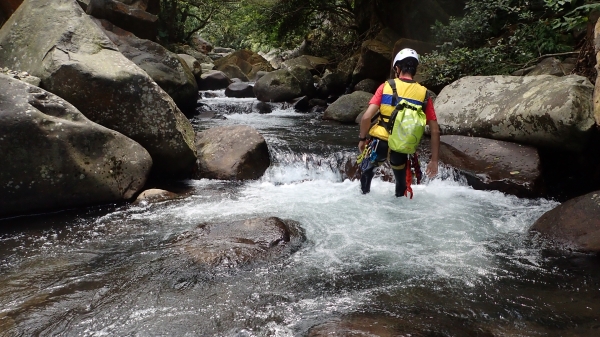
[451, 262]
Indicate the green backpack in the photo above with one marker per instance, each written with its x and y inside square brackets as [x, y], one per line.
[406, 126]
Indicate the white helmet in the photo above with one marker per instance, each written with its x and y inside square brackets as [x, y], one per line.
[406, 53]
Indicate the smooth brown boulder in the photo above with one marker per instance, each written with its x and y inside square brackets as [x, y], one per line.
[494, 165]
[575, 224]
[237, 243]
[53, 157]
[249, 62]
[232, 153]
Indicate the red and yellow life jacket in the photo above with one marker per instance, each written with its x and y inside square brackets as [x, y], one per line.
[410, 91]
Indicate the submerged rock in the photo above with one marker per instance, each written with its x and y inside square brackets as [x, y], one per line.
[155, 195]
[237, 243]
[574, 224]
[232, 153]
[77, 61]
[55, 158]
[494, 165]
[542, 111]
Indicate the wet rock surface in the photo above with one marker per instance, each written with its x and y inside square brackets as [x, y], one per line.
[574, 224]
[213, 80]
[155, 195]
[494, 165]
[239, 90]
[283, 85]
[231, 153]
[236, 243]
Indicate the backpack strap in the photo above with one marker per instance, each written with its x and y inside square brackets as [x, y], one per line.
[392, 84]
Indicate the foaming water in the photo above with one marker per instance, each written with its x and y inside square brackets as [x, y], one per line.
[452, 261]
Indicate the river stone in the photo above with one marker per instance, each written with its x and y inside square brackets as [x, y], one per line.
[200, 44]
[163, 66]
[542, 111]
[346, 67]
[236, 243]
[233, 71]
[348, 107]
[54, 158]
[248, 61]
[77, 61]
[239, 90]
[130, 18]
[186, 49]
[367, 85]
[574, 224]
[193, 64]
[206, 67]
[278, 86]
[494, 165]
[235, 152]
[332, 83]
[155, 195]
[213, 80]
[316, 65]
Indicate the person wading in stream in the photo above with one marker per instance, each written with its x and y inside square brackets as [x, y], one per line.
[392, 99]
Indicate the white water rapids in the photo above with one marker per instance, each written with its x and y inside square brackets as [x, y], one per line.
[453, 261]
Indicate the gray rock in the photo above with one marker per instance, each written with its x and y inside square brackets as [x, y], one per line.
[233, 71]
[374, 62]
[367, 85]
[237, 243]
[223, 50]
[77, 61]
[213, 80]
[332, 83]
[187, 49]
[193, 64]
[316, 65]
[249, 62]
[574, 224]
[155, 195]
[163, 66]
[548, 66]
[23, 76]
[200, 44]
[232, 153]
[494, 165]
[279, 86]
[55, 158]
[206, 67]
[130, 18]
[542, 111]
[239, 90]
[348, 107]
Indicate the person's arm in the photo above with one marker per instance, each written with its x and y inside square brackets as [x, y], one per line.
[432, 166]
[365, 124]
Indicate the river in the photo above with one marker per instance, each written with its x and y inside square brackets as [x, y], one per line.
[453, 261]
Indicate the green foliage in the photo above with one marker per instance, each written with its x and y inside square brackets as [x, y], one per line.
[496, 37]
[180, 19]
[574, 19]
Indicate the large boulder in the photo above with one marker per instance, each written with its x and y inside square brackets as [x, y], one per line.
[131, 18]
[163, 66]
[284, 85]
[186, 49]
[332, 83]
[367, 85]
[249, 62]
[494, 165]
[200, 44]
[375, 61]
[316, 65]
[574, 224]
[193, 64]
[232, 153]
[53, 157]
[543, 111]
[233, 71]
[237, 243]
[549, 66]
[77, 61]
[348, 107]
